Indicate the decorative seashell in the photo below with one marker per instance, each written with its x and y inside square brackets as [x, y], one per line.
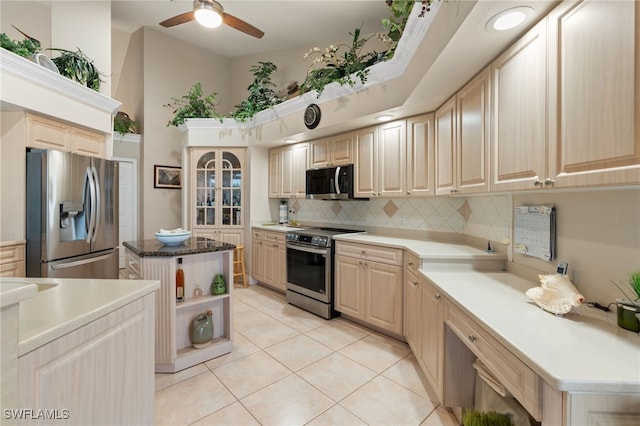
[556, 294]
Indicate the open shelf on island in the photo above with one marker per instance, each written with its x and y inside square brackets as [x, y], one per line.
[202, 300]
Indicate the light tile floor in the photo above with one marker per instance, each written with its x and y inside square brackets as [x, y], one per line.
[289, 367]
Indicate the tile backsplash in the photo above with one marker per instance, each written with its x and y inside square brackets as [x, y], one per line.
[485, 217]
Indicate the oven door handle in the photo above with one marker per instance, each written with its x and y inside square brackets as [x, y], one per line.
[321, 251]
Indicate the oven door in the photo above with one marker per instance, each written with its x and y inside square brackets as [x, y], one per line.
[309, 271]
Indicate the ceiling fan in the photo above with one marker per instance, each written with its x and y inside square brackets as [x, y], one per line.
[210, 14]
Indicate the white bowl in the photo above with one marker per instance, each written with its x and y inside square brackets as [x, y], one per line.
[173, 239]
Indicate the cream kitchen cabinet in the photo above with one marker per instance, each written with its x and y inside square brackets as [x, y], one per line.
[217, 198]
[46, 133]
[420, 155]
[369, 281]
[462, 139]
[594, 125]
[423, 327]
[519, 81]
[101, 372]
[332, 151]
[287, 171]
[380, 160]
[12, 259]
[269, 257]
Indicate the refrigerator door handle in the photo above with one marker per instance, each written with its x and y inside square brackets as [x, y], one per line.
[80, 262]
[97, 206]
[90, 209]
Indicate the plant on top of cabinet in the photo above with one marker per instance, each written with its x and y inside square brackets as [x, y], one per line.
[401, 10]
[193, 105]
[122, 123]
[261, 93]
[25, 48]
[78, 67]
[341, 69]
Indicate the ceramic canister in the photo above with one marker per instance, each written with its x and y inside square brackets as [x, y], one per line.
[202, 330]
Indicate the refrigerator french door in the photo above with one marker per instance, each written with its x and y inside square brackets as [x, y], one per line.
[72, 215]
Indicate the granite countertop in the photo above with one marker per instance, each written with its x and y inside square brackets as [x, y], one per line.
[194, 245]
[582, 351]
[65, 304]
[276, 227]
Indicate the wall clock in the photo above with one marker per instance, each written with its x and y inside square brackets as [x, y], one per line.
[312, 116]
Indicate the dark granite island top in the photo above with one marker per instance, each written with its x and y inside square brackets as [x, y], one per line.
[194, 245]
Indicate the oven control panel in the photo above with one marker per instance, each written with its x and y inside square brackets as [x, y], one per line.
[309, 240]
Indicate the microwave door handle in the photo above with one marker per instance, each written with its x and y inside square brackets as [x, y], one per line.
[336, 180]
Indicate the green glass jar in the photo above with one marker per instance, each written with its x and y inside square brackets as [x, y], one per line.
[218, 285]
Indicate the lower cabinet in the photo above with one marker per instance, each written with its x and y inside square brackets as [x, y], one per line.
[423, 327]
[99, 373]
[368, 289]
[12, 259]
[268, 259]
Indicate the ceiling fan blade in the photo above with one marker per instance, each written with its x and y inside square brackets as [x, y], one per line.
[241, 25]
[179, 19]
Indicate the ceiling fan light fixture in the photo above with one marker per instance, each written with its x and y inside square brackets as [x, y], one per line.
[207, 13]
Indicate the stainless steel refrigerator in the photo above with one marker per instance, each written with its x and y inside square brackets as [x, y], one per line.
[72, 215]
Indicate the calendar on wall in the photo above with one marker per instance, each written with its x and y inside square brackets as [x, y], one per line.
[535, 231]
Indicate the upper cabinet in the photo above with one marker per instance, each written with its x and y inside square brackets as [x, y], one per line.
[594, 96]
[287, 171]
[566, 101]
[46, 133]
[381, 161]
[332, 151]
[217, 198]
[462, 139]
[420, 155]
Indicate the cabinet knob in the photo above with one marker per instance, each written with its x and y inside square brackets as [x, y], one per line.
[549, 182]
[538, 182]
[415, 283]
[408, 192]
[455, 191]
[438, 296]
[410, 263]
[472, 338]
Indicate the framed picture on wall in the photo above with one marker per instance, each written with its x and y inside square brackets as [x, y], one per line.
[167, 177]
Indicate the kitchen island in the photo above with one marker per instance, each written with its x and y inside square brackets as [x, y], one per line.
[202, 260]
[84, 350]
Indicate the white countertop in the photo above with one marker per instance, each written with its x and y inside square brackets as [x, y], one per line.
[64, 305]
[15, 292]
[278, 227]
[423, 249]
[582, 351]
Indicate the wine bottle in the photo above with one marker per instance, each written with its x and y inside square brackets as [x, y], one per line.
[179, 282]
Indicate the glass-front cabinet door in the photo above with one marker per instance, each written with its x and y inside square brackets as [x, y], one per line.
[217, 199]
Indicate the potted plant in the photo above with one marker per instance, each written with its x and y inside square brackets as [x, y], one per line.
[25, 48]
[78, 67]
[628, 310]
[474, 417]
[193, 105]
[122, 124]
[261, 93]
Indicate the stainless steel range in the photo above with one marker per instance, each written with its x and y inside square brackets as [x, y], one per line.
[310, 269]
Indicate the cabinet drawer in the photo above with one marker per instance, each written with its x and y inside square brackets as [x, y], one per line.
[520, 380]
[258, 235]
[134, 266]
[14, 269]
[392, 256]
[413, 262]
[11, 253]
[276, 237]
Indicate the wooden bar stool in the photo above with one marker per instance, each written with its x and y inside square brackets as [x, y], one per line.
[239, 273]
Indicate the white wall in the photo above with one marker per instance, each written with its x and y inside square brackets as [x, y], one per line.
[31, 17]
[170, 70]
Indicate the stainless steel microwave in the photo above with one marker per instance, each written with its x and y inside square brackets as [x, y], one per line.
[330, 183]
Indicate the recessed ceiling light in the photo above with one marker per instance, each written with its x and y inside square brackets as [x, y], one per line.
[509, 18]
[384, 117]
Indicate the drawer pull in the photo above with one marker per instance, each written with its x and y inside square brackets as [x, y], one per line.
[472, 338]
